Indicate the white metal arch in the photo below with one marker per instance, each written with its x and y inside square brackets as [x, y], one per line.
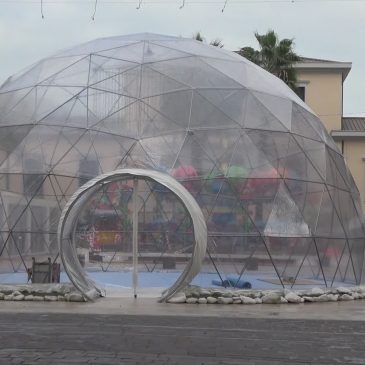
[71, 211]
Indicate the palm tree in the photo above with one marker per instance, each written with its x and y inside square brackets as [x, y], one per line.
[198, 37]
[215, 42]
[274, 55]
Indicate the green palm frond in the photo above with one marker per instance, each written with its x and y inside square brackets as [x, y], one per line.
[274, 55]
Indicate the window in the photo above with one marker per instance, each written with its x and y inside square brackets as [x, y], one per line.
[301, 92]
[88, 169]
[33, 177]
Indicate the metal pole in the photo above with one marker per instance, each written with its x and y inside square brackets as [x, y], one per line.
[135, 236]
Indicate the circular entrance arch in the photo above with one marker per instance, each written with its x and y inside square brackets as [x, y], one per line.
[67, 226]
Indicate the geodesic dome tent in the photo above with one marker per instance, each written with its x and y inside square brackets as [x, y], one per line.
[277, 196]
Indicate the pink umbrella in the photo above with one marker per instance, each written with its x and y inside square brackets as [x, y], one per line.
[261, 182]
[184, 173]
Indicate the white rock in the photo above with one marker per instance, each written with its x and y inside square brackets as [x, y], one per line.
[202, 300]
[327, 298]
[342, 290]
[227, 294]
[316, 292]
[8, 297]
[332, 297]
[26, 290]
[6, 289]
[178, 298]
[211, 300]
[346, 297]
[322, 298]
[244, 293]
[293, 298]
[280, 292]
[283, 300]
[76, 297]
[18, 297]
[331, 291]
[16, 293]
[49, 290]
[59, 289]
[2, 296]
[39, 291]
[191, 300]
[360, 289]
[38, 298]
[258, 300]
[205, 293]
[28, 297]
[195, 294]
[61, 298]
[247, 300]
[271, 298]
[356, 295]
[309, 299]
[225, 300]
[50, 298]
[237, 301]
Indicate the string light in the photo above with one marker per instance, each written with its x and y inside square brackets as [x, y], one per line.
[93, 16]
[169, 2]
[42, 9]
[191, 2]
[224, 6]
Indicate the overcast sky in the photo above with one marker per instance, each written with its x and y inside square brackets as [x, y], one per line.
[325, 29]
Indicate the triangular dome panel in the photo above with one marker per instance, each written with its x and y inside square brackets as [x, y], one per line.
[285, 219]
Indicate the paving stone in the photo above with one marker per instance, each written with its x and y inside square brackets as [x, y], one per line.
[69, 338]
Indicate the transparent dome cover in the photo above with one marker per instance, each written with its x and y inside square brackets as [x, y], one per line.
[279, 201]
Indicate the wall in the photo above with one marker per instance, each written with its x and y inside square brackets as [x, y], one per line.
[323, 93]
[354, 153]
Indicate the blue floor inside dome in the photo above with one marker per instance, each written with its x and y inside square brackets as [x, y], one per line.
[164, 279]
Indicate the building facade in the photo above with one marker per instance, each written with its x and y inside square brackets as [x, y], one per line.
[320, 85]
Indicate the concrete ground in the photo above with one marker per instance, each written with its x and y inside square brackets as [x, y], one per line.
[126, 331]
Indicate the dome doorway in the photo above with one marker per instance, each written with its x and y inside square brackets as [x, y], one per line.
[133, 234]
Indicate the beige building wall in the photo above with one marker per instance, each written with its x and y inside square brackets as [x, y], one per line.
[323, 93]
[354, 153]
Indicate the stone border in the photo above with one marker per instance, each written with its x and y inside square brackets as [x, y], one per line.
[41, 292]
[191, 295]
[197, 295]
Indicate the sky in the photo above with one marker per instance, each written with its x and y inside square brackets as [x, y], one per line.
[327, 29]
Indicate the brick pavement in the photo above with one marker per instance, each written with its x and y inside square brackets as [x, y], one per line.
[34, 338]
